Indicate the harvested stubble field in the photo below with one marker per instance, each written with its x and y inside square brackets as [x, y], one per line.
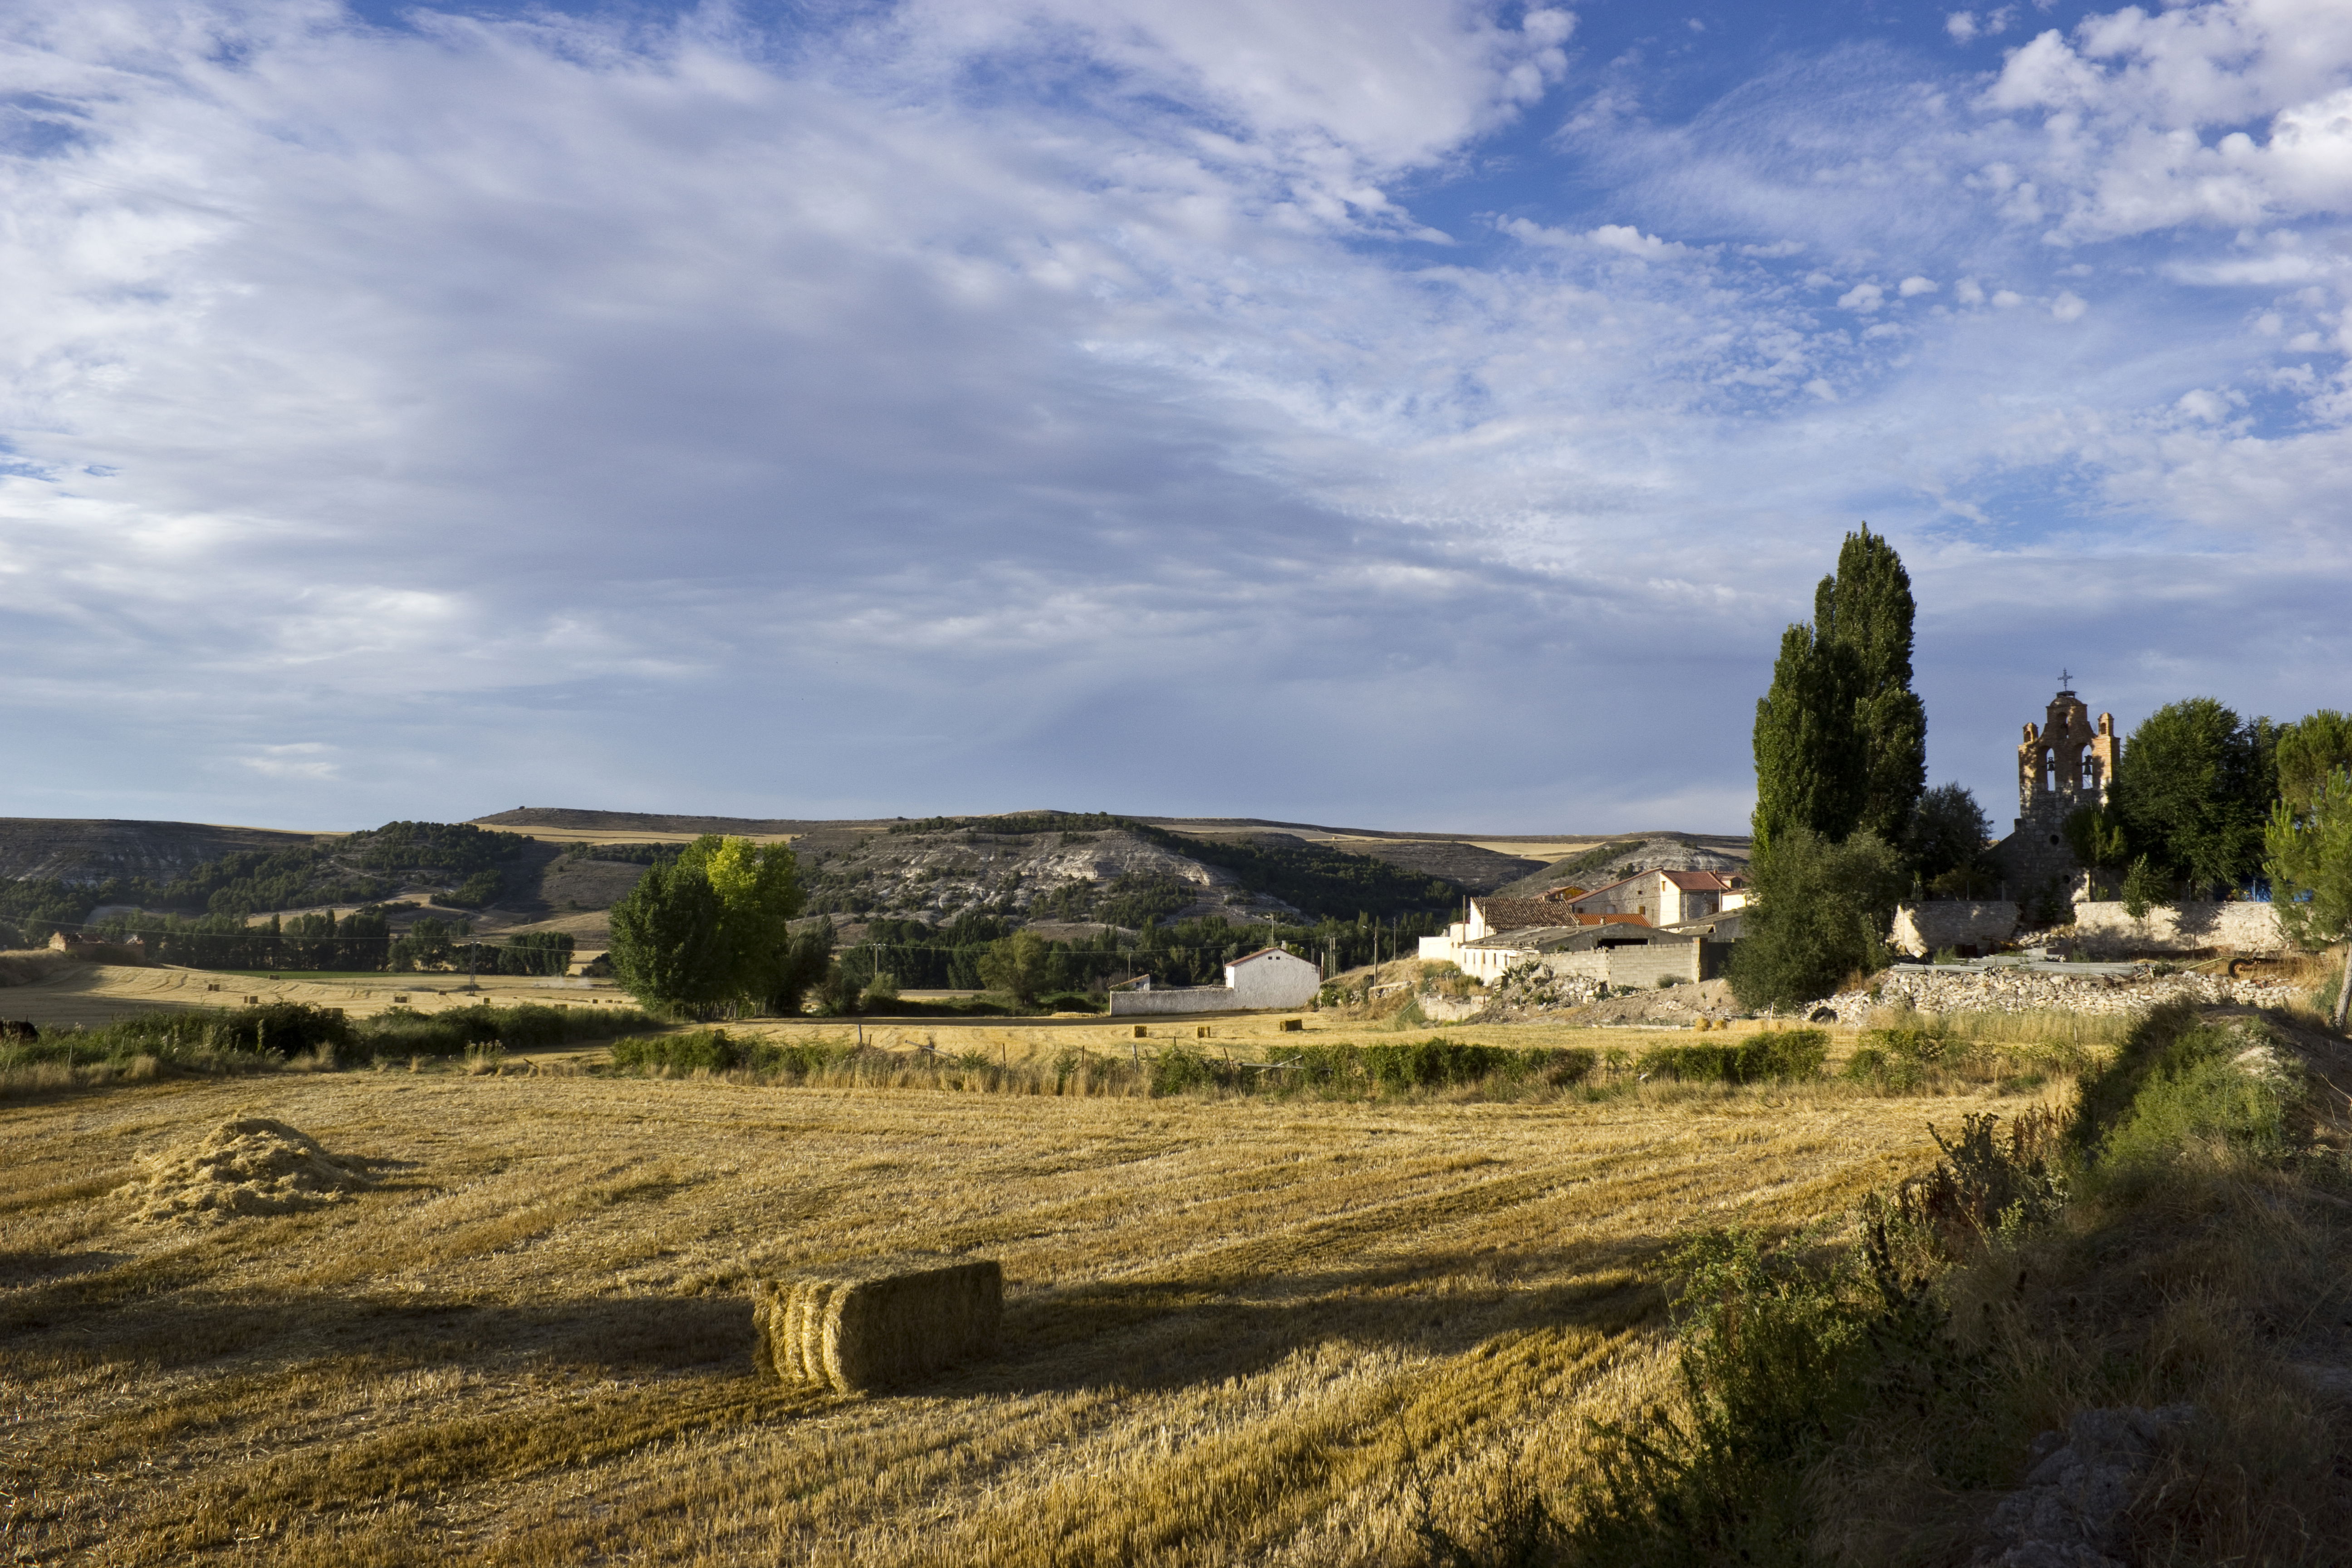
[1288, 1331]
[96, 994]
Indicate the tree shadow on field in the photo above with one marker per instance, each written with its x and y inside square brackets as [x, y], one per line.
[1173, 1332]
[643, 1336]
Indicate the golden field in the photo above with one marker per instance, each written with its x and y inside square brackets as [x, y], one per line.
[1290, 1331]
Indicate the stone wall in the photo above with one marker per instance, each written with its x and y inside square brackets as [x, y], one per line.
[2032, 991]
[2102, 929]
[1924, 930]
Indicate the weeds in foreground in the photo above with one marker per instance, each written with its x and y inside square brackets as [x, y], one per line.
[2166, 1246]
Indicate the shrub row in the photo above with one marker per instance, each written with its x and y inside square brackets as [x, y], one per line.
[1776, 1056]
[279, 1031]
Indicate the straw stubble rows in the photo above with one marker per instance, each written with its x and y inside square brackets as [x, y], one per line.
[1233, 1329]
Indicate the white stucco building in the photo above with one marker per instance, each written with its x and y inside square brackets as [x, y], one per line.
[1270, 977]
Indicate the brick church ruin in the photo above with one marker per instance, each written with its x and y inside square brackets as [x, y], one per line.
[2063, 764]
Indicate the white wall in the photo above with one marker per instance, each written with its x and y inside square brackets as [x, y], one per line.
[1274, 980]
[1175, 999]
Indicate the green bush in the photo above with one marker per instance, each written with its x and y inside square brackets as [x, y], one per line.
[717, 1051]
[1179, 1068]
[1070, 1002]
[1777, 1356]
[1432, 1063]
[707, 1049]
[1776, 1055]
[527, 1026]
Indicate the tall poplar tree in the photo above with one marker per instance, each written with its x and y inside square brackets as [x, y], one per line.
[1867, 608]
[1808, 771]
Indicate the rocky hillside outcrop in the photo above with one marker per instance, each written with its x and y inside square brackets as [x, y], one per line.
[1622, 857]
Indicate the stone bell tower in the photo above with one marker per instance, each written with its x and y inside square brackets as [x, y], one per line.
[2063, 764]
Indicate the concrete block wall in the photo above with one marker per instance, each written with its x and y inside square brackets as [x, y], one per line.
[1175, 999]
[1924, 929]
[1642, 967]
[1638, 967]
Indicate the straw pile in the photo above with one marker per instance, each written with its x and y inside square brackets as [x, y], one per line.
[249, 1166]
[875, 1325]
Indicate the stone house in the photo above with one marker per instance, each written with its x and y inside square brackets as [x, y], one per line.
[1619, 952]
[1662, 897]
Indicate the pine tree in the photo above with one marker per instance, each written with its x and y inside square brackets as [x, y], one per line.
[1867, 608]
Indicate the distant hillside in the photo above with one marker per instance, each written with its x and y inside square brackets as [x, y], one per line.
[1060, 870]
[82, 851]
[1621, 857]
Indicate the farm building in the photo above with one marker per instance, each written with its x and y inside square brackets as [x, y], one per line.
[1660, 897]
[1491, 917]
[1270, 977]
[1619, 952]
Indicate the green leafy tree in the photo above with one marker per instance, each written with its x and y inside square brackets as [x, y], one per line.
[2309, 858]
[2145, 888]
[669, 945]
[1945, 842]
[2311, 751]
[1810, 772]
[2096, 838]
[808, 967]
[2193, 789]
[758, 890]
[1817, 912]
[1017, 966]
[1867, 608]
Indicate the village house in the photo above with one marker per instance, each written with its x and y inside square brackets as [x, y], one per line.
[1627, 953]
[1660, 898]
[1491, 917]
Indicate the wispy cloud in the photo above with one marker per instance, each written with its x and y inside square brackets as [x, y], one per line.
[948, 406]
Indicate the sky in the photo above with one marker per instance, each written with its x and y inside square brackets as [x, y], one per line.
[1412, 414]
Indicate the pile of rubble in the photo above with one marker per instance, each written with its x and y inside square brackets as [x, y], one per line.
[1532, 991]
[1526, 988]
[2021, 990]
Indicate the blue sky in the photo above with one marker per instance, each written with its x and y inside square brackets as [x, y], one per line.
[1364, 411]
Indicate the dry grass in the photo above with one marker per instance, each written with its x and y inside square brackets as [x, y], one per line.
[1287, 1333]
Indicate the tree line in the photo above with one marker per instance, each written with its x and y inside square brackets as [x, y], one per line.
[361, 941]
[712, 933]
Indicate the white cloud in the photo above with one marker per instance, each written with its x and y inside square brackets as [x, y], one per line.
[301, 759]
[2139, 114]
[482, 398]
